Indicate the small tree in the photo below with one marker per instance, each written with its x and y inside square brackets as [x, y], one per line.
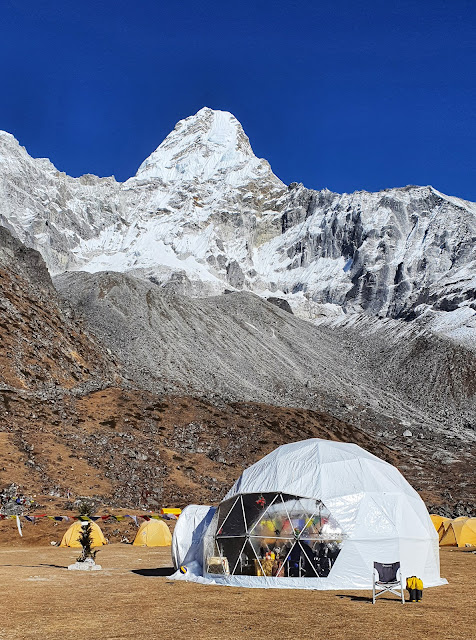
[86, 541]
[86, 509]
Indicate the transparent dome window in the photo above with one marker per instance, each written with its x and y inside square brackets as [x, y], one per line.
[273, 534]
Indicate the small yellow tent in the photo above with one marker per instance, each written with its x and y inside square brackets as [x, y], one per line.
[444, 526]
[71, 537]
[153, 533]
[438, 521]
[448, 536]
[461, 532]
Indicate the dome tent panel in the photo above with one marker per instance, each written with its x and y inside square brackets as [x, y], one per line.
[432, 558]
[344, 476]
[355, 563]
[72, 535]
[278, 534]
[375, 519]
[414, 521]
[420, 558]
[379, 479]
[345, 509]
[360, 523]
[153, 533]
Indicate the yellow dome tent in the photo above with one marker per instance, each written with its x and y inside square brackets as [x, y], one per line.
[460, 533]
[153, 533]
[71, 537]
[444, 526]
[438, 521]
[465, 531]
[448, 536]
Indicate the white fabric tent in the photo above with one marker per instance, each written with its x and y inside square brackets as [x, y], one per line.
[335, 495]
[187, 539]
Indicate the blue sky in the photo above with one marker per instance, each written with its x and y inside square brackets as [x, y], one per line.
[344, 95]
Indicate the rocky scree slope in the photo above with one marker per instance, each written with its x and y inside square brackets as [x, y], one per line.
[239, 347]
[71, 424]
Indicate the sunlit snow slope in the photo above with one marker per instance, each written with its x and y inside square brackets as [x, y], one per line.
[203, 214]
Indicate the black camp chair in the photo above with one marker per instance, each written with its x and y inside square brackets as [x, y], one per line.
[387, 577]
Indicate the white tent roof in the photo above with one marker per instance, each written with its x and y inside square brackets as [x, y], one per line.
[382, 516]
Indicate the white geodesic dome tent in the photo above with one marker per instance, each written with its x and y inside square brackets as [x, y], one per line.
[315, 514]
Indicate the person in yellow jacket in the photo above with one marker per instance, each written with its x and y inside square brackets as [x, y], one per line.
[415, 588]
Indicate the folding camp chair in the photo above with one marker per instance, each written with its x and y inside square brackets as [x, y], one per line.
[387, 577]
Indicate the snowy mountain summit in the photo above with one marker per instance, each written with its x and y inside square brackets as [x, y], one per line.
[210, 146]
[204, 214]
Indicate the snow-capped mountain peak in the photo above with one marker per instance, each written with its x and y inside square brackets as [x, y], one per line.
[211, 145]
[204, 214]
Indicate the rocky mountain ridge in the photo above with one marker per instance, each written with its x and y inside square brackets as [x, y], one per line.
[203, 215]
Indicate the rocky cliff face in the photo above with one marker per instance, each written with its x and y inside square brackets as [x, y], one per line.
[44, 346]
[396, 253]
[203, 214]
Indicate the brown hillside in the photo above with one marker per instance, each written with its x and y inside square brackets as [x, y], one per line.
[71, 425]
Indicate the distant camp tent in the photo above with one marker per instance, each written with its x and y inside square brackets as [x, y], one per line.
[153, 533]
[460, 533]
[171, 511]
[444, 527]
[72, 535]
[438, 521]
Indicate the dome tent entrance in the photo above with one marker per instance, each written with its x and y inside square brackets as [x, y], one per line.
[316, 515]
[153, 533]
[72, 535]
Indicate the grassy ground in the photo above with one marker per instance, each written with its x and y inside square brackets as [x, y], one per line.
[131, 599]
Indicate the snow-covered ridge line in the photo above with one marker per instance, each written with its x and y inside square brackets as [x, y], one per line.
[203, 214]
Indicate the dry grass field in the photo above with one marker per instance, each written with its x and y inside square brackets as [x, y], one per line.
[133, 597]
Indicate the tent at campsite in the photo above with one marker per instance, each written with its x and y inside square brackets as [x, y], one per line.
[438, 521]
[314, 514]
[188, 533]
[443, 527]
[153, 533]
[72, 535]
[461, 532]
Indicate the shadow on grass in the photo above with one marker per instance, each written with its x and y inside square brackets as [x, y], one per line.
[160, 571]
[36, 566]
[365, 598]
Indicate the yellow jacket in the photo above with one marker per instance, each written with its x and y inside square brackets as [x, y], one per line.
[414, 583]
